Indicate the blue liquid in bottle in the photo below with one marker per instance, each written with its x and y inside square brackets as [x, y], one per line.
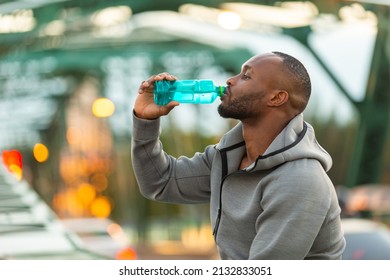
[186, 91]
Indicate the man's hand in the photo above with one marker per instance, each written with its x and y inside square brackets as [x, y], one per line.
[144, 106]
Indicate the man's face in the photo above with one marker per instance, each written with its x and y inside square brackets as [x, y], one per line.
[247, 92]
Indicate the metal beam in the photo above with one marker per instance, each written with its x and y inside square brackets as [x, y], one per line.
[368, 156]
[46, 11]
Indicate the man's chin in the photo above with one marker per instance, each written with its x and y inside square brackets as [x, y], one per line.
[224, 113]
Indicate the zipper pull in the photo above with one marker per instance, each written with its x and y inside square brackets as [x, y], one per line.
[217, 223]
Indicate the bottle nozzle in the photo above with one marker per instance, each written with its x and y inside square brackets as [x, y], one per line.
[221, 90]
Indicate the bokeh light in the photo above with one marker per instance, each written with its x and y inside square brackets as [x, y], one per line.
[12, 160]
[229, 20]
[101, 207]
[103, 107]
[41, 152]
[86, 193]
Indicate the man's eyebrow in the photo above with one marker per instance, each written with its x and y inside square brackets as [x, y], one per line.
[245, 67]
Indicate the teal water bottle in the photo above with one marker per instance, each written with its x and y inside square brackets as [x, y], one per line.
[186, 91]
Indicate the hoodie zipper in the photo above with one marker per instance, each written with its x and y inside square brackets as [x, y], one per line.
[224, 175]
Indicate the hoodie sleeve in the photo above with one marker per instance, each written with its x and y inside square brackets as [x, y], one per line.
[162, 177]
[294, 210]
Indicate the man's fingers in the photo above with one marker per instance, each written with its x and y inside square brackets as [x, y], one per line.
[145, 85]
[164, 110]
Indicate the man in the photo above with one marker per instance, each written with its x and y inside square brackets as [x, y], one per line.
[266, 181]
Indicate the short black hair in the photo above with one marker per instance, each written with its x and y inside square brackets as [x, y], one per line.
[299, 74]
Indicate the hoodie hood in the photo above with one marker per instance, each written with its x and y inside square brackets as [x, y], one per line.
[296, 141]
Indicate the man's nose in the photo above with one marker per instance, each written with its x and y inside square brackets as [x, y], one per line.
[230, 81]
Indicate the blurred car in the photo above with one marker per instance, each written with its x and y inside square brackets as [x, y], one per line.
[366, 240]
[30, 230]
[102, 236]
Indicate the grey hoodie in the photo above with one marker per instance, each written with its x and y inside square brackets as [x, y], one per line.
[283, 206]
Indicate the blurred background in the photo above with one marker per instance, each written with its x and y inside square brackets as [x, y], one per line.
[69, 74]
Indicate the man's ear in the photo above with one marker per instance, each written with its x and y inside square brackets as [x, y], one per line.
[278, 98]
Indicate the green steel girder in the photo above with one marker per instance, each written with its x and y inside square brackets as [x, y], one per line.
[366, 165]
[76, 10]
[70, 60]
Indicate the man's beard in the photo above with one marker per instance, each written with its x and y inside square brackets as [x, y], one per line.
[240, 109]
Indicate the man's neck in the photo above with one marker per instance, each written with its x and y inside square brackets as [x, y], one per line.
[258, 137]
